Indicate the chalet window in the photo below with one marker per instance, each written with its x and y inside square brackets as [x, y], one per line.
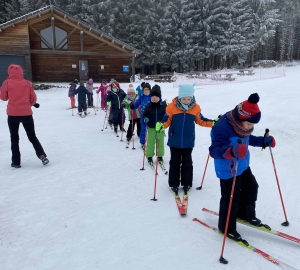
[60, 36]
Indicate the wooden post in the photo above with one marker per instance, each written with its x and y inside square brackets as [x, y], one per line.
[53, 34]
[81, 40]
[133, 68]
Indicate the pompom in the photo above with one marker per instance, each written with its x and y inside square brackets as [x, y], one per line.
[253, 98]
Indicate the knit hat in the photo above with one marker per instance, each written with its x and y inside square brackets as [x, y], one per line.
[186, 90]
[130, 88]
[81, 83]
[142, 84]
[146, 85]
[75, 81]
[104, 80]
[155, 91]
[248, 110]
[91, 81]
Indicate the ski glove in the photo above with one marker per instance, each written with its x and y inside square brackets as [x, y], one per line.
[165, 118]
[146, 120]
[238, 151]
[132, 106]
[123, 104]
[269, 141]
[216, 120]
[159, 126]
[36, 105]
[108, 103]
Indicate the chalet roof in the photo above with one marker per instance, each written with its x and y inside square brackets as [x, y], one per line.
[53, 9]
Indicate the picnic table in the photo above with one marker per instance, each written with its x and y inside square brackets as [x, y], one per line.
[246, 72]
[222, 77]
[159, 78]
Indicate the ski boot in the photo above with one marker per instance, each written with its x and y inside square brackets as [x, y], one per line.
[44, 160]
[150, 161]
[15, 166]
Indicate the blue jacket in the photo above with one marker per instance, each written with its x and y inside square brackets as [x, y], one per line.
[142, 101]
[223, 136]
[82, 92]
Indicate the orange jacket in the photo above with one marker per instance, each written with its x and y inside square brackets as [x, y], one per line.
[182, 125]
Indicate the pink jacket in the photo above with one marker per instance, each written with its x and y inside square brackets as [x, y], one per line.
[18, 91]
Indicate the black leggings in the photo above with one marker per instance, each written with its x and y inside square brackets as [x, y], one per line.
[28, 124]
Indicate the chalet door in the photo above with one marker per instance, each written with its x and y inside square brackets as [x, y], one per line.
[6, 61]
[83, 70]
[93, 69]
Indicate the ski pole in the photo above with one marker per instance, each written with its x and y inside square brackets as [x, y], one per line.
[122, 126]
[104, 120]
[285, 223]
[72, 111]
[97, 101]
[156, 164]
[132, 130]
[143, 168]
[222, 259]
[199, 188]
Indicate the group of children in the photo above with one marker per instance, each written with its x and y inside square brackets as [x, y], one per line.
[231, 135]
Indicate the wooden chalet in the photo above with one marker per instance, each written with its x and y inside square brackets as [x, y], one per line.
[53, 46]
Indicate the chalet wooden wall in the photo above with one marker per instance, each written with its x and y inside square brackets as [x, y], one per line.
[58, 68]
[14, 40]
[55, 67]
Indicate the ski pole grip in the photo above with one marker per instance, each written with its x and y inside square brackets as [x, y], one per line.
[267, 133]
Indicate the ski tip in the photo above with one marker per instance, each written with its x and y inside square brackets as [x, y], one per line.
[199, 188]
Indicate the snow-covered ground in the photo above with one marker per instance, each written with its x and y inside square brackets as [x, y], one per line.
[90, 207]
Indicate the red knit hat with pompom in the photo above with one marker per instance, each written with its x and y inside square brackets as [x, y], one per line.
[248, 110]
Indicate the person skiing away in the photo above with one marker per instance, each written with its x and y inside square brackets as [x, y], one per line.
[141, 102]
[89, 87]
[103, 90]
[133, 115]
[230, 137]
[82, 96]
[181, 115]
[21, 96]
[71, 93]
[116, 97]
[153, 117]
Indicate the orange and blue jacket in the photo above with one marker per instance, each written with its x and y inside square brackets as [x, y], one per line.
[182, 125]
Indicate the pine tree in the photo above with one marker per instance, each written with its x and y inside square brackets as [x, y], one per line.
[27, 6]
[3, 13]
[13, 9]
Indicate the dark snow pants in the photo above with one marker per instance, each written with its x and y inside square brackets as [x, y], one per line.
[181, 167]
[243, 203]
[82, 106]
[130, 128]
[28, 124]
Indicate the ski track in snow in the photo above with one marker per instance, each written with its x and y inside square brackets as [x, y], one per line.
[90, 207]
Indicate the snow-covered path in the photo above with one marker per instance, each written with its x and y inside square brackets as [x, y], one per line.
[90, 207]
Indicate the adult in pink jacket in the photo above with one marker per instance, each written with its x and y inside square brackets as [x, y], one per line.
[104, 88]
[21, 96]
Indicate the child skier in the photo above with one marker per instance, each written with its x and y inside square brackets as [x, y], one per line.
[153, 115]
[89, 87]
[139, 89]
[141, 102]
[103, 90]
[230, 137]
[71, 93]
[182, 114]
[82, 94]
[116, 97]
[133, 115]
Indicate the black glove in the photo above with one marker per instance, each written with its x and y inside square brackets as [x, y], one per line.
[36, 105]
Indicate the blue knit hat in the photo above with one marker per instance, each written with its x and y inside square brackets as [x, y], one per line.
[186, 90]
